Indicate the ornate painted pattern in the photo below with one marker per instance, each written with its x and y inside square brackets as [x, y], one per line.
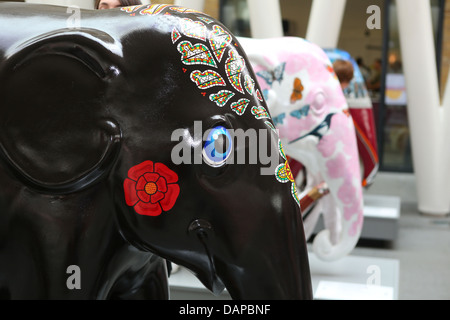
[219, 41]
[154, 9]
[222, 97]
[235, 64]
[132, 9]
[283, 174]
[207, 79]
[249, 84]
[240, 106]
[175, 35]
[259, 95]
[295, 193]
[271, 126]
[206, 20]
[280, 147]
[214, 42]
[260, 112]
[193, 29]
[196, 54]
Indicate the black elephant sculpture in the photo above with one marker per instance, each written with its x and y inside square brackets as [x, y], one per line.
[117, 142]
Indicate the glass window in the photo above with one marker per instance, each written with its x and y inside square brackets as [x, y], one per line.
[395, 146]
[394, 129]
[235, 16]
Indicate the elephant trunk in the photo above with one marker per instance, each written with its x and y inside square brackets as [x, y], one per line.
[328, 249]
[272, 267]
[343, 207]
[333, 244]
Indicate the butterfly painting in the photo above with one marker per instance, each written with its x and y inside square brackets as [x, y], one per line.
[274, 75]
[297, 92]
[279, 120]
[301, 113]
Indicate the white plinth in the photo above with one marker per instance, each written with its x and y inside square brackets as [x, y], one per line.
[351, 278]
[355, 278]
[381, 214]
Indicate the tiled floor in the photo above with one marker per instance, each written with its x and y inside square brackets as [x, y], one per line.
[423, 250]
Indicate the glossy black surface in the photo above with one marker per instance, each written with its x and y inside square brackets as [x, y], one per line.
[80, 107]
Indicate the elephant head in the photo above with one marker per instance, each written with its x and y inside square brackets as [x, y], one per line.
[315, 126]
[121, 144]
[361, 109]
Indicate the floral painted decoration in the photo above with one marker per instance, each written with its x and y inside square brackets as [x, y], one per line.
[151, 188]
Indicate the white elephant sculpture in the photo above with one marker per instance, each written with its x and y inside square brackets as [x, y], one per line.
[312, 115]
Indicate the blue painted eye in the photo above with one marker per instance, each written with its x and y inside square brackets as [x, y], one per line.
[218, 146]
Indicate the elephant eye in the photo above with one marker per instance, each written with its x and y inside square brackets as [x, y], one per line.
[218, 146]
[319, 103]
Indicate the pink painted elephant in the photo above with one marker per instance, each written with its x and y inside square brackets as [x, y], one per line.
[311, 113]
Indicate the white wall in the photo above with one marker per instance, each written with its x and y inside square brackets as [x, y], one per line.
[192, 4]
[85, 4]
[325, 21]
[265, 25]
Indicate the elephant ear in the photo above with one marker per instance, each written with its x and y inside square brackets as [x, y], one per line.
[55, 132]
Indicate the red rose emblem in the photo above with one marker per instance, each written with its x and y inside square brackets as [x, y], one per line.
[151, 188]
